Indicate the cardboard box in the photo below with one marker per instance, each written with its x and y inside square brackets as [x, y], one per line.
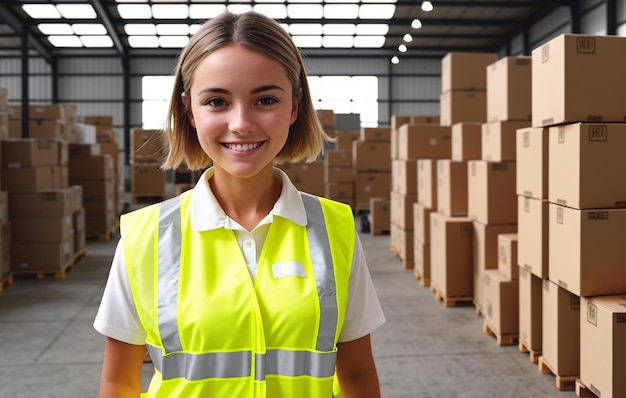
[326, 117]
[499, 140]
[307, 177]
[380, 216]
[427, 183]
[463, 106]
[404, 176]
[31, 179]
[402, 209]
[402, 242]
[98, 167]
[532, 230]
[76, 197]
[45, 112]
[579, 78]
[85, 133]
[501, 308]
[532, 162]
[603, 344]
[4, 97]
[57, 202]
[421, 260]
[509, 89]
[51, 229]
[421, 223]
[375, 134]
[424, 141]
[97, 189]
[41, 256]
[491, 192]
[465, 70]
[399, 120]
[507, 256]
[451, 255]
[466, 141]
[338, 158]
[452, 188]
[340, 190]
[80, 237]
[424, 119]
[99, 207]
[98, 120]
[99, 225]
[147, 179]
[338, 174]
[371, 156]
[371, 185]
[146, 145]
[344, 139]
[4, 208]
[561, 330]
[29, 152]
[587, 253]
[42, 128]
[530, 310]
[586, 162]
[4, 125]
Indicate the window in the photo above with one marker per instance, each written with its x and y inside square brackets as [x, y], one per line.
[155, 92]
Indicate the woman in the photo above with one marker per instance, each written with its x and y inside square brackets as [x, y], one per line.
[241, 287]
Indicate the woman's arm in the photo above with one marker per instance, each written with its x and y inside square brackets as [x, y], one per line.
[356, 369]
[121, 371]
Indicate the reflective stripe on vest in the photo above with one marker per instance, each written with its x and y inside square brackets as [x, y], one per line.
[177, 364]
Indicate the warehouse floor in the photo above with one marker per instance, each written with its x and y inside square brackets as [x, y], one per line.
[48, 347]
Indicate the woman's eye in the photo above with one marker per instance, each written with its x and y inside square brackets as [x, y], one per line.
[267, 101]
[216, 102]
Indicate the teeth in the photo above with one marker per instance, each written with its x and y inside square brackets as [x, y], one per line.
[243, 147]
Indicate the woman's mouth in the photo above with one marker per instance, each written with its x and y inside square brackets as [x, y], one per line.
[243, 147]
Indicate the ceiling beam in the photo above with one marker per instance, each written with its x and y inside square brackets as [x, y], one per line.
[19, 26]
[107, 20]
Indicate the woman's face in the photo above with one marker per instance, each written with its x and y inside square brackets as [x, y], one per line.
[241, 106]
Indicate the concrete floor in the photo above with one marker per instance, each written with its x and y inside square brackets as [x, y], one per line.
[48, 347]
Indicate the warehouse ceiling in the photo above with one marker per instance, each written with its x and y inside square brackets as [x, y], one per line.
[320, 27]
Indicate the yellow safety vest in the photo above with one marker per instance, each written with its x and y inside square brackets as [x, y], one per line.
[211, 330]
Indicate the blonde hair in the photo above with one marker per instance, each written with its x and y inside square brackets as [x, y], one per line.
[260, 33]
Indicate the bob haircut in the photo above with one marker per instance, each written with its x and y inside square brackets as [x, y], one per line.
[259, 33]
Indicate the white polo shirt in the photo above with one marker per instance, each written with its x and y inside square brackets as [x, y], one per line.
[117, 316]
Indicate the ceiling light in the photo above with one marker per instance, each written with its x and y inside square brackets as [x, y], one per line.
[308, 11]
[372, 29]
[338, 41]
[41, 11]
[344, 11]
[407, 38]
[170, 11]
[173, 41]
[339, 29]
[65, 41]
[416, 24]
[308, 41]
[377, 11]
[427, 6]
[395, 60]
[205, 11]
[96, 41]
[305, 29]
[402, 48]
[76, 11]
[172, 29]
[55, 29]
[89, 29]
[276, 11]
[133, 29]
[134, 11]
[143, 41]
[369, 41]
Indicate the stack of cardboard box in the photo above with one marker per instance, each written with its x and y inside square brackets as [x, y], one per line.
[576, 89]
[338, 176]
[371, 164]
[4, 113]
[146, 154]
[508, 110]
[307, 177]
[34, 173]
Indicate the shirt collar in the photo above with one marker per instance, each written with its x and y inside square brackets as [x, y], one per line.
[207, 214]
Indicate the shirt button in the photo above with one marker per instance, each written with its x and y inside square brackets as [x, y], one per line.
[248, 244]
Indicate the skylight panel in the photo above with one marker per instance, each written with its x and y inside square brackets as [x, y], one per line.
[205, 11]
[305, 29]
[143, 41]
[239, 8]
[308, 41]
[275, 11]
[338, 41]
[170, 11]
[41, 11]
[55, 29]
[372, 29]
[96, 41]
[341, 11]
[65, 41]
[369, 41]
[194, 28]
[173, 41]
[309, 11]
[132, 29]
[339, 29]
[134, 11]
[77, 11]
[89, 29]
[377, 11]
[172, 29]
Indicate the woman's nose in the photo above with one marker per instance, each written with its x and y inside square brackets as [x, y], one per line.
[242, 120]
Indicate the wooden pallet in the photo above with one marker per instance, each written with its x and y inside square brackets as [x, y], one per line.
[79, 255]
[563, 383]
[418, 276]
[103, 237]
[6, 281]
[407, 264]
[533, 355]
[448, 301]
[502, 339]
[477, 308]
[147, 198]
[47, 274]
[584, 391]
[380, 230]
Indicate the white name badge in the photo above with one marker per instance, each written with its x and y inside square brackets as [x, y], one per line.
[291, 268]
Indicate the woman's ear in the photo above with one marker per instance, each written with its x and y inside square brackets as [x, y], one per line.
[187, 107]
[296, 105]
